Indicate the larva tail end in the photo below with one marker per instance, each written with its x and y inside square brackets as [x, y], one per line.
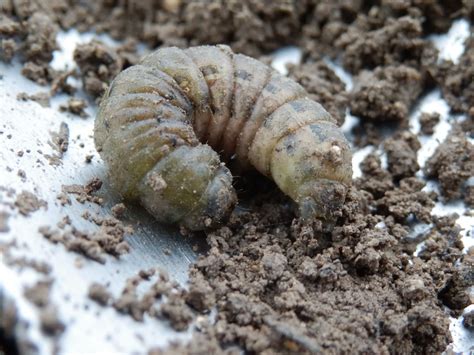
[216, 205]
[322, 199]
[189, 187]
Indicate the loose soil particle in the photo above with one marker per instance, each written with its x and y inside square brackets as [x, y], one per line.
[39, 295]
[4, 216]
[75, 106]
[98, 64]
[99, 294]
[452, 164]
[401, 152]
[108, 239]
[428, 121]
[456, 79]
[27, 203]
[468, 320]
[42, 98]
[376, 95]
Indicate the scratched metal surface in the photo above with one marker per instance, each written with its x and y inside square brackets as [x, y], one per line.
[91, 328]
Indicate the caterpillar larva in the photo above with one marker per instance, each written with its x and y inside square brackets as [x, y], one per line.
[159, 119]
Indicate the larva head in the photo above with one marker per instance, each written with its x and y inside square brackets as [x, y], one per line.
[313, 166]
[189, 187]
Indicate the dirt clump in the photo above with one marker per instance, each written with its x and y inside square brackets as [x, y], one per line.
[99, 294]
[75, 106]
[377, 97]
[401, 152]
[108, 239]
[468, 320]
[28, 202]
[452, 164]
[83, 193]
[4, 217]
[396, 41]
[39, 295]
[428, 121]
[98, 64]
[136, 304]
[41, 97]
[119, 210]
[456, 81]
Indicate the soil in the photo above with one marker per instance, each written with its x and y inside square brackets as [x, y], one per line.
[452, 164]
[456, 79]
[41, 97]
[39, 295]
[4, 216]
[109, 239]
[28, 202]
[99, 294]
[75, 106]
[98, 65]
[428, 121]
[401, 152]
[468, 320]
[377, 96]
[278, 284]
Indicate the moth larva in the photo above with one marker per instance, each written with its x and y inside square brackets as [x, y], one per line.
[159, 119]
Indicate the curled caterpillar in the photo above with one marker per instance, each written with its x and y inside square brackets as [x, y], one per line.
[162, 122]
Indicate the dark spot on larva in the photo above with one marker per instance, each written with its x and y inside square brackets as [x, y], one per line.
[298, 106]
[174, 142]
[290, 145]
[317, 130]
[244, 75]
[169, 97]
[180, 79]
[272, 88]
[209, 70]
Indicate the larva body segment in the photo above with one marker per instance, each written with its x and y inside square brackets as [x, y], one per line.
[162, 121]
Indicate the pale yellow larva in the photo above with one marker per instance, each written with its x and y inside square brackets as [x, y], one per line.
[162, 122]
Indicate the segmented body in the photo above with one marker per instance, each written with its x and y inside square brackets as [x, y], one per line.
[164, 125]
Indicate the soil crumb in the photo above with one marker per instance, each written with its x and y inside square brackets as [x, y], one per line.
[27, 203]
[39, 295]
[4, 227]
[75, 106]
[119, 210]
[108, 239]
[137, 303]
[428, 121]
[98, 64]
[41, 98]
[99, 294]
[60, 143]
[468, 320]
[377, 96]
[456, 79]
[84, 192]
[452, 164]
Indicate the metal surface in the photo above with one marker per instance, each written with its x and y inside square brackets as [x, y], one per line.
[91, 328]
